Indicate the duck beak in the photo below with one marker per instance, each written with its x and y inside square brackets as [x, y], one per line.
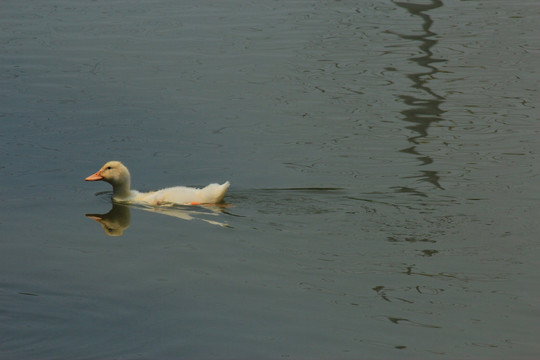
[95, 177]
[98, 218]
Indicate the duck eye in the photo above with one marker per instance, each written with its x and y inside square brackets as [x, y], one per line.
[109, 168]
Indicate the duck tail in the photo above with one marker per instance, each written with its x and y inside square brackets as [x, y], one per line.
[214, 193]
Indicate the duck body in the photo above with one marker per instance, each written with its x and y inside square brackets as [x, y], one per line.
[117, 174]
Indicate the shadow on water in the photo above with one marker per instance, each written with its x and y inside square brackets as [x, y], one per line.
[422, 112]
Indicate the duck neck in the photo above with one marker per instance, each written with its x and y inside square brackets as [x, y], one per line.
[121, 190]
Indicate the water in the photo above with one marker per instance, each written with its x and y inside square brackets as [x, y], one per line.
[383, 160]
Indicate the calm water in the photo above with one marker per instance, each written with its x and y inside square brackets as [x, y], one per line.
[383, 157]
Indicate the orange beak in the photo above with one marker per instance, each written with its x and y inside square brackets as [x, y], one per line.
[94, 217]
[95, 177]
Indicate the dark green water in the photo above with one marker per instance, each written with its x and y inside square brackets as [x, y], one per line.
[384, 166]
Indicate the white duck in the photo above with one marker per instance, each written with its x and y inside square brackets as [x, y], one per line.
[116, 174]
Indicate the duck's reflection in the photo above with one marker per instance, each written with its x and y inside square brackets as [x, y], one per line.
[119, 217]
[115, 221]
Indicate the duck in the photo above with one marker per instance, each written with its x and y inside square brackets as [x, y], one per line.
[117, 174]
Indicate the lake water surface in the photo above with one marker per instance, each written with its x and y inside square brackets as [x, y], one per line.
[383, 157]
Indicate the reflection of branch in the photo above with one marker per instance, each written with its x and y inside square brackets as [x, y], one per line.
[418, 9]
[422, 112]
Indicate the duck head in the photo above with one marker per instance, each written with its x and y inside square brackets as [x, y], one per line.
[116, 174]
